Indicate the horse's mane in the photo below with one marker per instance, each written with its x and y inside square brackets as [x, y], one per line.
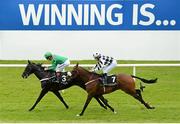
[42, 68]
[39, 65]
[88, 71]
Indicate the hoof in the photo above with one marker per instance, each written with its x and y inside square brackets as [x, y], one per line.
[30, 109]
[78, 115]
[67, 107]
[115, 112]
[152, 107]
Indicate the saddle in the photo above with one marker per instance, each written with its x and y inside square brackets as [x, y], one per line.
[111, 80]
[63, 78]
[60, 79]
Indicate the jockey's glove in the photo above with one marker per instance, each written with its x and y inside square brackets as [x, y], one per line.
[46, 68]
[92, 70]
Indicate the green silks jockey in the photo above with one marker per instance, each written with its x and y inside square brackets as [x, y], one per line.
[58, 63]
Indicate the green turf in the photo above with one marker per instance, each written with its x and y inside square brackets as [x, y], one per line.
[17, 95]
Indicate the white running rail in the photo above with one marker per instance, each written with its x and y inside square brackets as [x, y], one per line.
[91, 65]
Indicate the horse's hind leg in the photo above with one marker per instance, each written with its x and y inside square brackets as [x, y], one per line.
[138, 96]
[43, 92]
[99, 101]
[106, 103]
[60, 98]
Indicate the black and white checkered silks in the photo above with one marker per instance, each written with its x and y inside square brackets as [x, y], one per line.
[105, 63]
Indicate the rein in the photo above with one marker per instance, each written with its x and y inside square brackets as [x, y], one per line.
[91, 81]
[45, 79]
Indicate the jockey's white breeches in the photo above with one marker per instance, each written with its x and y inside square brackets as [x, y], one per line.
[61, 67]
[108, 68]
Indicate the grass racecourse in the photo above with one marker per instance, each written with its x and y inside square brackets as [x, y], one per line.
[17, 95]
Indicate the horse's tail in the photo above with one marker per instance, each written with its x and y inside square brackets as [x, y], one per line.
[145, 80]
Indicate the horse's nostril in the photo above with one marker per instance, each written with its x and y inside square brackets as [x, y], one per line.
[24, 76]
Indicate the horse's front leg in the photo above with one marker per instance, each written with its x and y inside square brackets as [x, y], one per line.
[60, 98]
[89, 98]
[43, 92]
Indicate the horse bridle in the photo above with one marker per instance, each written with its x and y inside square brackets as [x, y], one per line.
[27, 73]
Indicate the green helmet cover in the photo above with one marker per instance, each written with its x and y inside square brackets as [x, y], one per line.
[47, 55]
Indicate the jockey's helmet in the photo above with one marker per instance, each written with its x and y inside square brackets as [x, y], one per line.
[95, 55]
[47, 55]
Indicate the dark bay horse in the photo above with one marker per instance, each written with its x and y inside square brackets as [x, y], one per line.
[94, 86]
[48, 85]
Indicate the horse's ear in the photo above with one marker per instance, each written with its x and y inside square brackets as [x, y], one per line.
[29, 62]
[77, 65]
[39, 64]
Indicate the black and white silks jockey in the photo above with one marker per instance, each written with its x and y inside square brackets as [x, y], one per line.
[104, 63]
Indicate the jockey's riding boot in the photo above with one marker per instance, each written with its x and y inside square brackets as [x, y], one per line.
[104, 78]
[58, 77]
